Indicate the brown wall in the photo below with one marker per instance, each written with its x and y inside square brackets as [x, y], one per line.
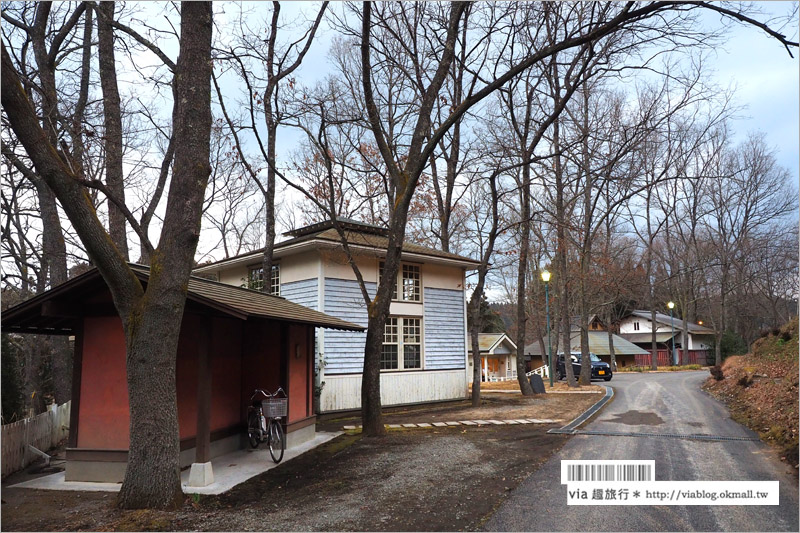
[261, 366]
[298, 373]
[226, 349]
[244, 356]
[104, 415]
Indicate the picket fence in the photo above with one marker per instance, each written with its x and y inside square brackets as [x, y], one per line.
[42, 431]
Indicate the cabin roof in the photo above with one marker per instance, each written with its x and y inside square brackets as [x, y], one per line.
[54, 311]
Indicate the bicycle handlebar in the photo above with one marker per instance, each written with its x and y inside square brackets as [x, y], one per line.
[267, 394]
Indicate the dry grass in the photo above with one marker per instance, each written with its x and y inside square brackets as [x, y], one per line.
[761, 389]
[557, 386]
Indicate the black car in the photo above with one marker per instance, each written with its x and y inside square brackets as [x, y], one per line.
[600, 370]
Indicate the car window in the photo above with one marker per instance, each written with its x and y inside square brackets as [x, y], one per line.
[593, 357]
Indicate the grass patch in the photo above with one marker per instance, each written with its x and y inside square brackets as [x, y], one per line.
[673, 368]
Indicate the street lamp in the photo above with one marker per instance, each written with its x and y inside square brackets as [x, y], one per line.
[546, 279]
[671, 306]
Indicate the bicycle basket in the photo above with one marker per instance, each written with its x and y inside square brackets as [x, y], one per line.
[274, 407]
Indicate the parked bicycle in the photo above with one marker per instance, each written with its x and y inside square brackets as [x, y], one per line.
[264, 421]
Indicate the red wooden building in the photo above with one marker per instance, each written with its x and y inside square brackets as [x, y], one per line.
[232, 341]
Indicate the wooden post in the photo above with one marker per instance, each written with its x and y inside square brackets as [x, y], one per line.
[77, 368]
[201, 473]
[285, 331]
[203, 440]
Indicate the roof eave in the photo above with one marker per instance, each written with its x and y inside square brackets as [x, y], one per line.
[315, 243]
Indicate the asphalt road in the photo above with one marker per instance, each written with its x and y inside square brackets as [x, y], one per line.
[664, 403]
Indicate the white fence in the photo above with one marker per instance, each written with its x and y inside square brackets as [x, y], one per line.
[43, 432]
[542, 371]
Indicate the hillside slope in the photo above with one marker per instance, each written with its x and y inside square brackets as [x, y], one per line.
[761, 389]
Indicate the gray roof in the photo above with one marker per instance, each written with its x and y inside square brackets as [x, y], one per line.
[598, 345]
[357, 234]
[258, 304]
[661, 318]
[238, 302]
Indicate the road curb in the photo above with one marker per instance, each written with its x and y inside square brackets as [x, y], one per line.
[570, 428]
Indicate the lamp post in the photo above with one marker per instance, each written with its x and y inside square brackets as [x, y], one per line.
[671, 306]
[546, 279]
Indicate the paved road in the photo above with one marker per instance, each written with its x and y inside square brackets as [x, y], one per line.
[640, 400]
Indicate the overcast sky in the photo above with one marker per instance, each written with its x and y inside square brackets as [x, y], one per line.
[765, 78]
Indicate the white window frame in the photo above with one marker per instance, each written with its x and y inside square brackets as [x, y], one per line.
[395, 334]
[255, 278]
[400, 287]
[636, 326]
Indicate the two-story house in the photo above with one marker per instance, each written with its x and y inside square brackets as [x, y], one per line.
[638, 329]
[424, 357]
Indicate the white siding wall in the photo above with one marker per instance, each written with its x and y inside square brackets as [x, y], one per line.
[626, 326]
[444, 329]
[304, 292]
[397, 388]
[344, 350]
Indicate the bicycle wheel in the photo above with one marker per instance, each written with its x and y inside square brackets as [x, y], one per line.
[276, 441]
[253, 430]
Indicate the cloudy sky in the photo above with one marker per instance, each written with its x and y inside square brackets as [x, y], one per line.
[765, 77]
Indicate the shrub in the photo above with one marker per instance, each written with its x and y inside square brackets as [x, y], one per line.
[716, 372]
[731, 344]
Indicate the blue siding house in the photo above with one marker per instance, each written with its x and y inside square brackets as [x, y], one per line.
[424, 355]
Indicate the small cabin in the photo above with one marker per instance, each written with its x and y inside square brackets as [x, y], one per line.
[232, 341]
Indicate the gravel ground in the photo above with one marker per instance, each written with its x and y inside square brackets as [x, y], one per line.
[438, 479]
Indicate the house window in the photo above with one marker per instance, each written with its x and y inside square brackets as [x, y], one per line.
[411, 290]
[255, 279]
[409, 344]
[390, 345]
[407, 285]
[635, 326]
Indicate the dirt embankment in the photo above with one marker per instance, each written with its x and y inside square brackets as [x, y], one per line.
[761, 389]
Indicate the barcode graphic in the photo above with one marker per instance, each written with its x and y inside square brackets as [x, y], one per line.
[576, 471]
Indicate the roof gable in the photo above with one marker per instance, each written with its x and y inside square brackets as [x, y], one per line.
[490, 341]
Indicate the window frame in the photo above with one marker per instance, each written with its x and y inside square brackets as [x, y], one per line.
[399, 292]
[398, 337]
[257, 283]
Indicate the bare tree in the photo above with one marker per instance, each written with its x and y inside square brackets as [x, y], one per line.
[151, 318]
[264, 100]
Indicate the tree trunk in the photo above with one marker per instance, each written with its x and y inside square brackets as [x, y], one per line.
[653, 328]
[112, 118]
[543, 349]
[152, 477]
[522, 271]
[151, 319]
[269, 197]
[611, 350]
[685, 339]
[561, 256]
[476, 363]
